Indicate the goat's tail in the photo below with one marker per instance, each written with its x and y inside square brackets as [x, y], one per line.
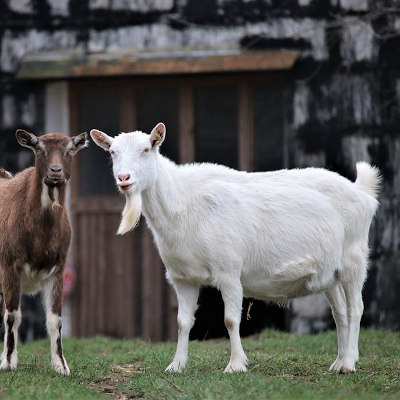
[368, 178]
[5, 174]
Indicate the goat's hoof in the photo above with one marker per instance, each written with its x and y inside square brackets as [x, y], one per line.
[175, 367]
[343, 366]
[235, 366]
[8, 366]
[61, 367]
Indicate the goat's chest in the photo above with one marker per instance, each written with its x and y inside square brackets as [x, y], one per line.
[47, 246]
[185, 266]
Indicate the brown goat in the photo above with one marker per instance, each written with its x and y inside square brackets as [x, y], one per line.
[34, 237]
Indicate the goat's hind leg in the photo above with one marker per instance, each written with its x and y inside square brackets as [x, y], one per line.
[12, 318]
[352, 279]
[337, 301]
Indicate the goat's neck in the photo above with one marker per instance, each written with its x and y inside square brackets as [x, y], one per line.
[162, 201]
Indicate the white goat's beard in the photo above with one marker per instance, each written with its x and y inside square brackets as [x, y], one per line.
[131, 213]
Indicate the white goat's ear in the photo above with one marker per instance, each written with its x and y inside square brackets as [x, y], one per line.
[79, 142]
[26, 139]
[157, 135]
[101, 139]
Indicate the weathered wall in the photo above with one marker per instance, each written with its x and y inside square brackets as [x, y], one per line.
[346, 87]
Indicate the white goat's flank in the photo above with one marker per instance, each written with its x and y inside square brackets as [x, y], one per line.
[273, 235]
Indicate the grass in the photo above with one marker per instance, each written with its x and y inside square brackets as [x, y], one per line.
[283, 366]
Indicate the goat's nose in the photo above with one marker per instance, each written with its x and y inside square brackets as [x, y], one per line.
[124, 177]
[55, 168]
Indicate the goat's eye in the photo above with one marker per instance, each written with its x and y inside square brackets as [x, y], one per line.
[146, 150]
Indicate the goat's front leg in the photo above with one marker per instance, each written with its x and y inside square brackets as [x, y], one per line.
[52, 296]
[11, 285]
[187, 304]
[232, 294]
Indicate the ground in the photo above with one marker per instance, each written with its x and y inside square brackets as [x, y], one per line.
[283, 366]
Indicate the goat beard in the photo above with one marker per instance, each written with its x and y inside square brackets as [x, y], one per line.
[131, 212]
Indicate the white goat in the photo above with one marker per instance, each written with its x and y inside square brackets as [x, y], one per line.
[271, 236]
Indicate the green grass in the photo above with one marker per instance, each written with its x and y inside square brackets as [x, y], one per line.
[282, 366]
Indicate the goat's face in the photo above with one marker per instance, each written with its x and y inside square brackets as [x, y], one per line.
[53, 153]
[134, 156]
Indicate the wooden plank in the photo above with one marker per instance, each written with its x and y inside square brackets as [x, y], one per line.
[102, 285]
[186, 124]
[246, 128]
[75, 295]
[128, 244]
[137, 283]
[97, 204]
[128, 118]
[36, 67]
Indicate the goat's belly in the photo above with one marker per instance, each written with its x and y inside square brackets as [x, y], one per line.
[32, 280]
[279, 291]
[294, 280]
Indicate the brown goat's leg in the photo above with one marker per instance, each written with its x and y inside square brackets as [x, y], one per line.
[52, 296]
[12, 318]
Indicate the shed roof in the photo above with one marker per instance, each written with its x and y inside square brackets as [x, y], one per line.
[72, 64]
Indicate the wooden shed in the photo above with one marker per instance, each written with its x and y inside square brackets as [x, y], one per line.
[224, 107]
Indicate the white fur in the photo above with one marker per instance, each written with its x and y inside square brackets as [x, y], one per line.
[131, 213]
[45, 196]
[12, 365]
[271, 236]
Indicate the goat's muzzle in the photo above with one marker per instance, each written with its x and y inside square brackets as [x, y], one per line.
[54, 180]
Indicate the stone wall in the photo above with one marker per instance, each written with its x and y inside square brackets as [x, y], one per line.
[346, 87]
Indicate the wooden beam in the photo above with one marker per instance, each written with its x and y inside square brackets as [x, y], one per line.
[246, 128]
[73, 66]
[186, 124]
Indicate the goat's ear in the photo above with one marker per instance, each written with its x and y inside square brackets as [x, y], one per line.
[157, 135]
[79, 142]
[26, 139]
[101, 139]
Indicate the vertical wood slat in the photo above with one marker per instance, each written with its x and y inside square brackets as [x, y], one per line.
[128, 117]
[172, 325]
[101, 270]
[149, 279]
[128, 305]
[186, 124]
[246, 128]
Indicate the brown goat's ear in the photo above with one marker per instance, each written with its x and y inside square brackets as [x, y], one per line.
[157, 135]
[79, 142]
[101, 139]
[26, 139]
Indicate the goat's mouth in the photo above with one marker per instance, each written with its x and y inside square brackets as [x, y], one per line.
[125, 187]
[54, 181]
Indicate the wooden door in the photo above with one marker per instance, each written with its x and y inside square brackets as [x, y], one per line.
[121, 289]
